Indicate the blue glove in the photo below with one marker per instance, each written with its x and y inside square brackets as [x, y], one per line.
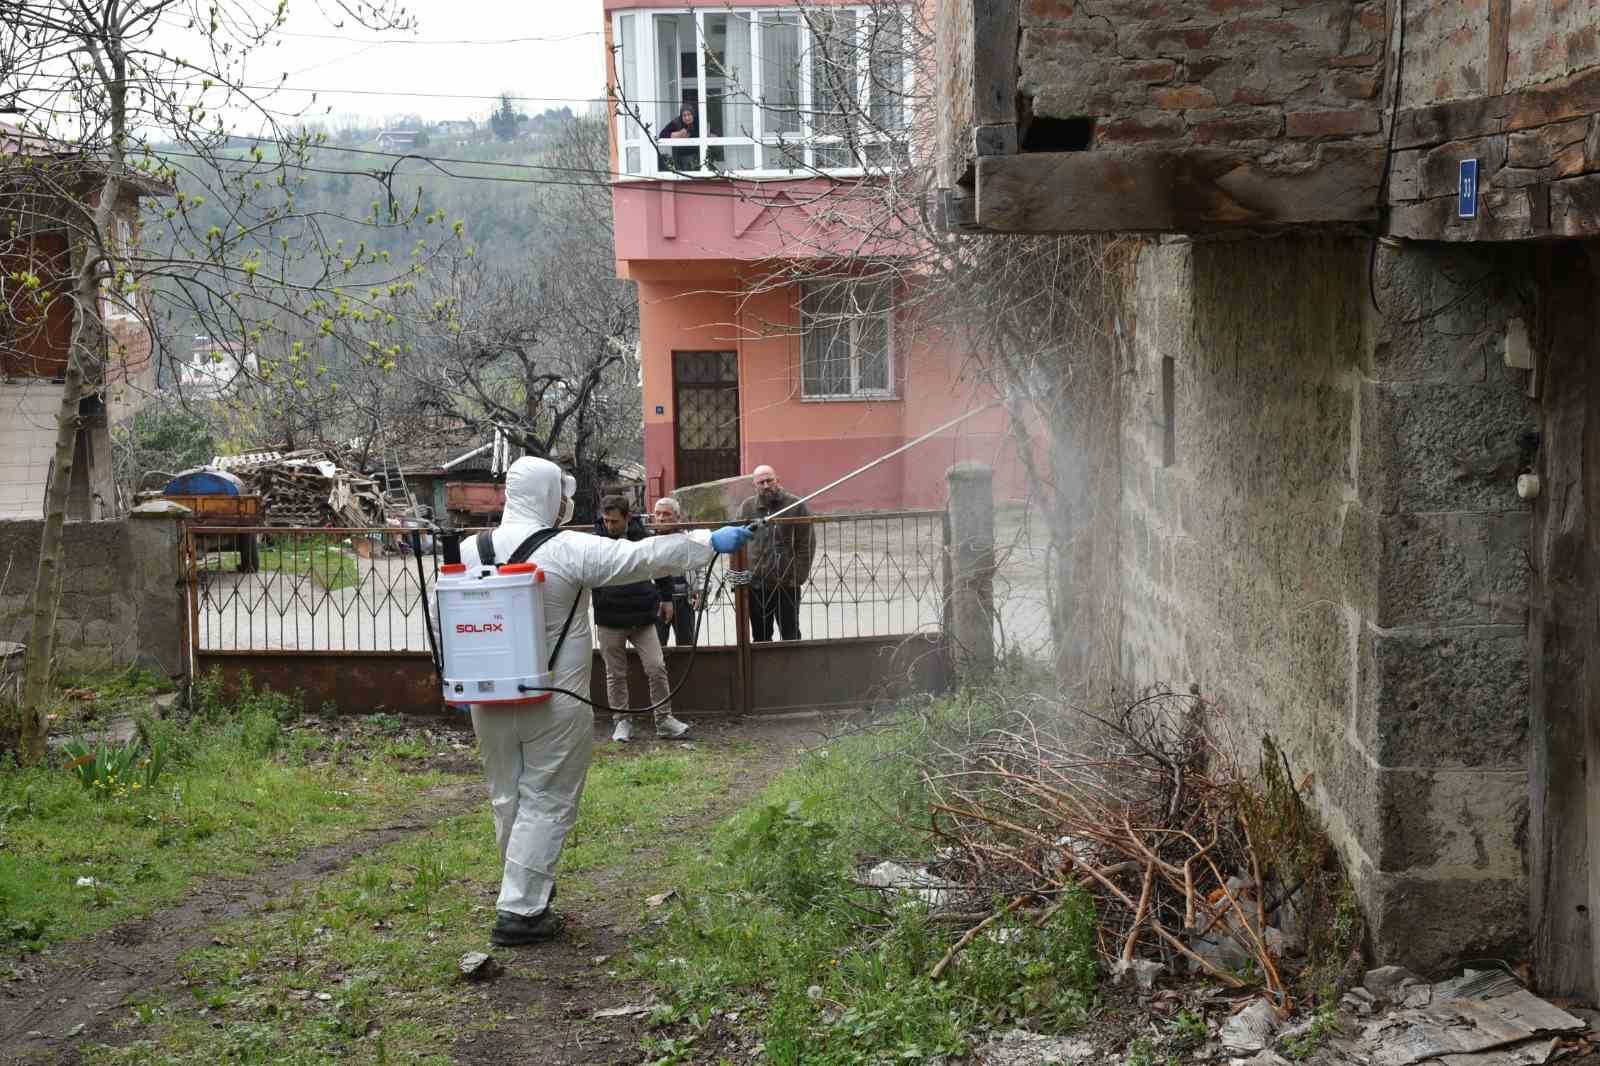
[730, 539]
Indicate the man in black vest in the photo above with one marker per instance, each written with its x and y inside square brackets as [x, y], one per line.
[627, 614]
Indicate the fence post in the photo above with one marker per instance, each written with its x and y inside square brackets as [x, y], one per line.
[159, 585]
[743, 683]
[970, 548]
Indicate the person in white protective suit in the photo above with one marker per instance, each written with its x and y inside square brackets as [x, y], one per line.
[536, 756]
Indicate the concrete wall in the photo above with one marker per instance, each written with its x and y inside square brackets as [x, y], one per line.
[121, 597]
[1336, 552]
[1206, 72]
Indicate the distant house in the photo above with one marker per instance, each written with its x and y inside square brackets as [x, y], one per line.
[37, 256]
[391, 140]
[214, 368]
[456, 128]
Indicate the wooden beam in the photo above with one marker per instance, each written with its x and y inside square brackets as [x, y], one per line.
[1499, 44]
[1570, 97]
[1561, 599]
[1172, 190]
[994, 61]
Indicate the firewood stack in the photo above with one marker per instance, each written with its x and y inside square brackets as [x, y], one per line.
[310, 488]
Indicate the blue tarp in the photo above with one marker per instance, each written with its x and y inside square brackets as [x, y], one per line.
[204, 482]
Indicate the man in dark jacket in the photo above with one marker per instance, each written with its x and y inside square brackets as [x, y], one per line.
[627, 614]
[780, 558]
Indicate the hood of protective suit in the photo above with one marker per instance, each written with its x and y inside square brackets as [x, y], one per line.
[534, 489]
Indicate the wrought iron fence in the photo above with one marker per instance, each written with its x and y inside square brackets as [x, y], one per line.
[315, 591]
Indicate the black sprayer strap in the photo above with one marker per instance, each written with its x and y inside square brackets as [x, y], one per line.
[534, 542]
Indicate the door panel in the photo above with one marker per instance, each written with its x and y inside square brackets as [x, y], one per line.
[705, 415]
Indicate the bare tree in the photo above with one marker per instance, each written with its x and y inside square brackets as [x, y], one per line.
[544, 353]
[99, 85]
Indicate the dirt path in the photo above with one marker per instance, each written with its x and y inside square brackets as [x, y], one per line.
[551, 991]
[81, 982]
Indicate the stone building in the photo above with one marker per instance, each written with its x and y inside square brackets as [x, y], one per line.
[1365, 310]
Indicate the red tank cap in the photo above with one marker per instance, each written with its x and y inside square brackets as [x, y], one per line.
[540, 577]
[452, 568]
[518, 568]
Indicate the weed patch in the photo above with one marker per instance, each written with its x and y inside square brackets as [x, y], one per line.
[777, 926]
[109, 832]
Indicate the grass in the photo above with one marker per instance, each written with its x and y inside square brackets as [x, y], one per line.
[134, 683]
[329, 563]
[362, 969]
[233, 791]
[776, 928]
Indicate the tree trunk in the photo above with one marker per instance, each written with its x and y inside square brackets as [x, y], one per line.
[86, 333]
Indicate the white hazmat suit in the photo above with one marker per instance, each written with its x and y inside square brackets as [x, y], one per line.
[536, 756]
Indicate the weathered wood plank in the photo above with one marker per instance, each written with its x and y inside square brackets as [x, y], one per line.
[1172, 190]
[1575, 206]
[994, 61]
[1499, 44]
[1503, 215]
[1588, 624]
[1574, 96]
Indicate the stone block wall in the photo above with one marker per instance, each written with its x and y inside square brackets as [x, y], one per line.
[121, 596]
[1281, 75]
[1328, 541]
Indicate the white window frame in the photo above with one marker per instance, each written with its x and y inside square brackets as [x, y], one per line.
[767, 149]
[890, 391]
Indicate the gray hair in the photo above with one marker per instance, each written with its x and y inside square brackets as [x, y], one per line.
[672, 503]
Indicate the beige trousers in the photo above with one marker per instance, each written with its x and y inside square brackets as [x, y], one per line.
[614, 653]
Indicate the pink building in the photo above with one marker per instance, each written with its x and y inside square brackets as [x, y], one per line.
[739, 370]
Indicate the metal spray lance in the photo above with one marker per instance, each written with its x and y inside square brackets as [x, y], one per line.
[858, 471]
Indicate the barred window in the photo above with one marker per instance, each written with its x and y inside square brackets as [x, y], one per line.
[847, 341]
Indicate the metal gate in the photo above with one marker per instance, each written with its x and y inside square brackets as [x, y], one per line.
[336, 614]
[705, 404]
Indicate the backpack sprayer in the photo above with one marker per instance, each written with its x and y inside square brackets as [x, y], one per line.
[492, 618]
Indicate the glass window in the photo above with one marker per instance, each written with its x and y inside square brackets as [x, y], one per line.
[835, 78]
[846, 340]
[780, 73]
[886, 68]
[677, 67]
[821, 89]
[730, 110]
[731, 157]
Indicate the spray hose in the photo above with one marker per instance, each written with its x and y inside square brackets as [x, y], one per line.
[694, 646]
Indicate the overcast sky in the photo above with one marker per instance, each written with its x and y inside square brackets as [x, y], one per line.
[551, 50]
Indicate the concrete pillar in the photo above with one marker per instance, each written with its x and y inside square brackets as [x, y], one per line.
[157, 585]
[971, 549]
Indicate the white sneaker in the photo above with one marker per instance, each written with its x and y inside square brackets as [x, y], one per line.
[670, 727]
[622, 732]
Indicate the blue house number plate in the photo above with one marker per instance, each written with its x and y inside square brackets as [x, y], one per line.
[1467, 191]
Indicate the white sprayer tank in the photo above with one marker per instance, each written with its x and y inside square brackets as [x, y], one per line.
[491, 620]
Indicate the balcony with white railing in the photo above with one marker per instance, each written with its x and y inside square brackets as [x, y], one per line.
[768, 93]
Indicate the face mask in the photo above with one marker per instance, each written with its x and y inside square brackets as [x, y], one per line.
[568, 508]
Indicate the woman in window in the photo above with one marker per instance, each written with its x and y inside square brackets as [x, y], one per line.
[680, 128]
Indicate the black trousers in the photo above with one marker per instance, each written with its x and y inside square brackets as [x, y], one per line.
[682, 624]
[780, 603]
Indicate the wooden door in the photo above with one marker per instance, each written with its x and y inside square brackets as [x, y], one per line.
[705, 404]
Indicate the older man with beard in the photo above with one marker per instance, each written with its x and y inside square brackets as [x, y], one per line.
[780, 558]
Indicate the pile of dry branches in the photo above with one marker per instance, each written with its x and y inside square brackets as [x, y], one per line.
[1144, 808]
